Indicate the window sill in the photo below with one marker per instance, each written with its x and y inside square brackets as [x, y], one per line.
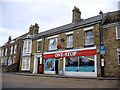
[69, 48]
[89, 45]
[38, 51]
[117, 38]
[52, 50]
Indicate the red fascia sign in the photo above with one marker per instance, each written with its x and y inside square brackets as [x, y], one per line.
[70, 54]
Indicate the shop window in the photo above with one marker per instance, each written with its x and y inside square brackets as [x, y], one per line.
[80, 64]
[39, 46]
[89, 37]
[118, 32]
[53, 44]
[69, 42]
[49, 64]
[71, 64]
[26, 64]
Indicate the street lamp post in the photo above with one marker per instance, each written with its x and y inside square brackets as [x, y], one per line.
[101, 45]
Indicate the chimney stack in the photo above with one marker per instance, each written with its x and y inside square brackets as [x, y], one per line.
[9, 39]
[33, 29]
[76, 15]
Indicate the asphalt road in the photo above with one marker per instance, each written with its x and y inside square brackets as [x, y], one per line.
[21, 81]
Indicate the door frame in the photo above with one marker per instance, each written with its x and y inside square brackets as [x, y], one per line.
[35, 63]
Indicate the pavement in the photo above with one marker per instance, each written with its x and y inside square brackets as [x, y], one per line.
[62, 76]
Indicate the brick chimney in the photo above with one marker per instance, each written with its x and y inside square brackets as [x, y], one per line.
[76, 15]
[9, 39]
[33, 29]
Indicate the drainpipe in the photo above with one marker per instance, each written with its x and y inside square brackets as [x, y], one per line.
[43, 51]
[101, 44]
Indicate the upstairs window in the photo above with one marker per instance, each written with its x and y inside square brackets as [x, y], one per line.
[5, 51]
[118, 32]
[89, 37]
[11, 50]
[39, 46]
[2, 52]
[27, 47]
[15, 49]
[69, 42]
[52, 44]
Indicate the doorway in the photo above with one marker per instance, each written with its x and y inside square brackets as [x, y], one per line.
[56, 66]
[38, 66]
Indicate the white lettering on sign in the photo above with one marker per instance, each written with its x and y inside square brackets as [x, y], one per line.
[66, 54]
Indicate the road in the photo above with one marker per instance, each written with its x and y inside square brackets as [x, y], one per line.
[21, 81]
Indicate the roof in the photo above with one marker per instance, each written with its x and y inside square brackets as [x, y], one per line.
[70, 26]
[113, 17]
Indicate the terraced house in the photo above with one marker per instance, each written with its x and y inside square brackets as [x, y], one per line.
[11, 53]
[85, 47]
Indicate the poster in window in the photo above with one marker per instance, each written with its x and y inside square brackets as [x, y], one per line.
[49, 64]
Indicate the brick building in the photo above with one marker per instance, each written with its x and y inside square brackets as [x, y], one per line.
[11, 53]
[74, 49]
[26, 51]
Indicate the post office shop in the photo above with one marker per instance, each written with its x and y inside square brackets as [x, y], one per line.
[75, 62]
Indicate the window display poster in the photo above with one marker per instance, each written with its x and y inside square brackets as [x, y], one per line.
[49, 64]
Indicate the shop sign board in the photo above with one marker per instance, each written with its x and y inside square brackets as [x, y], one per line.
[70, 53]
[102, 49]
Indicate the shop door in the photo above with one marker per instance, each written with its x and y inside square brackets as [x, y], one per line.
[56, 66]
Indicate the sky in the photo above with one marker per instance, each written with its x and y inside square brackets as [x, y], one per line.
[16, 16]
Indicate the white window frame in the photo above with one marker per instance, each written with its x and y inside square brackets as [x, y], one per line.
[50, 45]
[88, 38]
[117, 32]
[6, 52]
[15, 49]
[25, 60]
[2, 52]
[40, 40]
[5, 60]
[27, 47]
[11, 50]
[10, 61]
[68, 42]
[14, 59]
[2, 61]
[118, 50]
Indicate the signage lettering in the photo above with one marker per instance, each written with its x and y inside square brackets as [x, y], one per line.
[65, 54]
[70, 53]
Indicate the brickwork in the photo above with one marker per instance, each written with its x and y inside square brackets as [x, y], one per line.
[111, 60]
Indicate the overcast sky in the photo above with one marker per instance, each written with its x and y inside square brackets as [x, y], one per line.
[16, 16]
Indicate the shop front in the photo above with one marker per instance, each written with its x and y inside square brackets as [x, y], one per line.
[75, 62]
